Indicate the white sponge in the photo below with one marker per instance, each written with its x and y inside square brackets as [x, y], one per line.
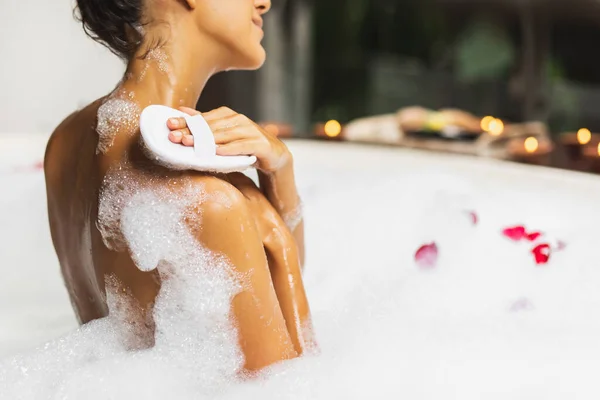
[202, 157]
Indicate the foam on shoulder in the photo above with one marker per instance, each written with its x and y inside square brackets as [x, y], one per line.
[117, 115]
[195, 352]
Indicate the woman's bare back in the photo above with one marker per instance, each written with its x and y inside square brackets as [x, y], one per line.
[237, 222]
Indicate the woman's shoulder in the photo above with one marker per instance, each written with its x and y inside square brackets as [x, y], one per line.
[83, 119]
[71, 137]
[222, 192]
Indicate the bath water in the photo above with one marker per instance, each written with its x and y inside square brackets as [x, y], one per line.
[484, 322]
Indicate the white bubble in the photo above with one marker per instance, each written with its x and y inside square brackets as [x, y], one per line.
[116, 116]
[294, 217]
[486, 323]
[159, 58]
[195, 342]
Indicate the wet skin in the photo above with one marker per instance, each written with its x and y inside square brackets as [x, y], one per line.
[271, 314]
[266, 250]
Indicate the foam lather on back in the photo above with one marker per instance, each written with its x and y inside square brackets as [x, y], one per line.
[202, 157]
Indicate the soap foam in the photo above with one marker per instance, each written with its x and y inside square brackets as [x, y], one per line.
[293, 217]
[159, 58]
[136, 326]
[195, 342]
[116, 116]
[485, 323]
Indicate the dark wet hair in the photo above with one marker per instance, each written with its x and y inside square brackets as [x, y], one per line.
[114, 23]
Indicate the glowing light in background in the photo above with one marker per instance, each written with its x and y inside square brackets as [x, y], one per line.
[584, 136]
[531, 144]
[493, 126]
[485, 123]
[496, 127]
[333, 128]
[599, 149]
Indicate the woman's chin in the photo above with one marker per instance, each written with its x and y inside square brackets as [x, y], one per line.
[254, 60]
[250, 57]
[261, 60]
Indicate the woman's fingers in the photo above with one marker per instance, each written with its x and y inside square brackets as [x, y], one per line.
[232, 135]
[226, 124]
[223, 124]
[219, 113]
[238, 148]
[177, 136]
[179, 130]
[221, 138]
[187, 140]
[176, 123]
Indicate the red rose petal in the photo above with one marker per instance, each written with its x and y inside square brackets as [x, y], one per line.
[541, 252]
[426, 256]
[515, 232]
[533, 236]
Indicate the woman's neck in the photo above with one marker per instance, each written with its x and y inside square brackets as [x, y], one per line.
[170, 75]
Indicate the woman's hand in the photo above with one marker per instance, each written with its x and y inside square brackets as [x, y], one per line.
[235, 135]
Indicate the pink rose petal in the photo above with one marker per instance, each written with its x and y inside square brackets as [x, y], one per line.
[427, 255]
[474, 217]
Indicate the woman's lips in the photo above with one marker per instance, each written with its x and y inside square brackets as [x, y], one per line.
[258, 22]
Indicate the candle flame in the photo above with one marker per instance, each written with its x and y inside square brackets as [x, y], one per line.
[531, 144]
[584, 136]
[496, 127]
[485, 123]
[333, 128]
[493, 126]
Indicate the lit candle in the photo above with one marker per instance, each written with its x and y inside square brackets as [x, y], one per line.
[485, 123]
[591, 155]
[493, 126]
[531, 150]
[531, 145]
[573, 143]
[584, 136]
[496, 127]
[331, 130]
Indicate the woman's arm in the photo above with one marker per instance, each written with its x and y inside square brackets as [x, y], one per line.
[284, 264]
[280, 189]
[235, 134]
[230, 229]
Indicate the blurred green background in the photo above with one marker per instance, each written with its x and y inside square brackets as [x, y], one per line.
[341, 59]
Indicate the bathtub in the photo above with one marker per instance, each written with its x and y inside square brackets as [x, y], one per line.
[485, 321]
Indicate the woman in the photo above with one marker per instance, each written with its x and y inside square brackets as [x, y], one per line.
[172, 48]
